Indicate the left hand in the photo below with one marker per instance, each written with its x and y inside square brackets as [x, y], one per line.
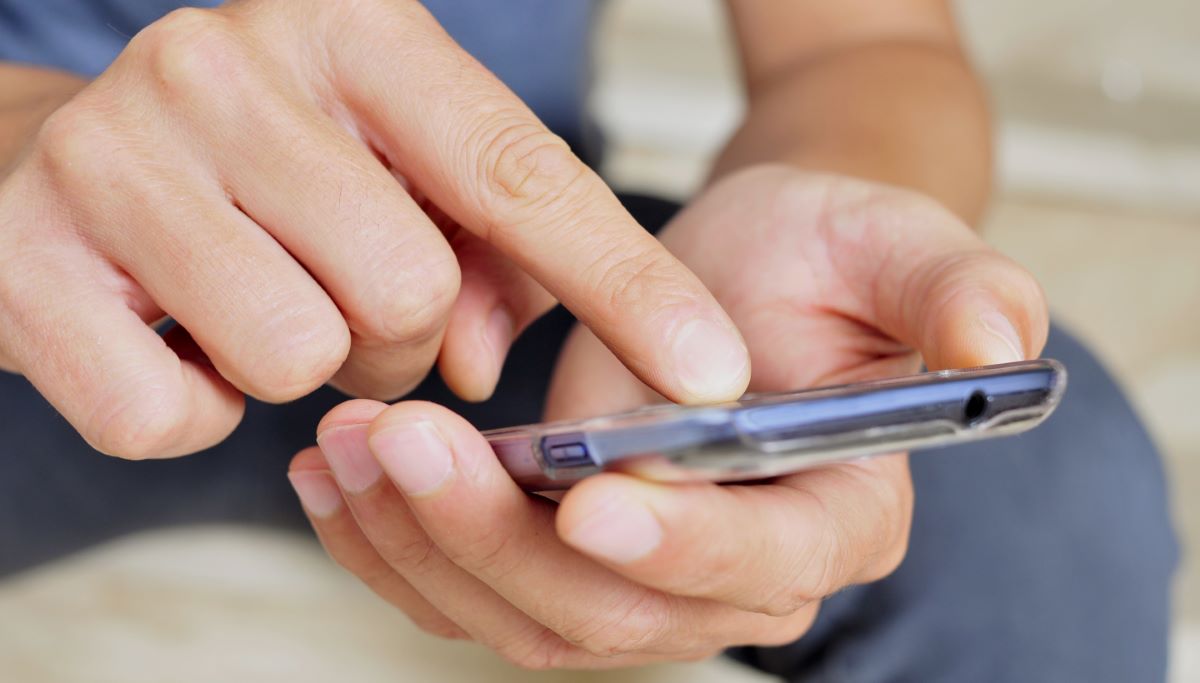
[829, 280]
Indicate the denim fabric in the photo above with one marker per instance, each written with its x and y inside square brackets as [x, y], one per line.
[1044, 557]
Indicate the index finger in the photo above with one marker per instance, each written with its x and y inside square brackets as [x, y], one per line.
[485, 159]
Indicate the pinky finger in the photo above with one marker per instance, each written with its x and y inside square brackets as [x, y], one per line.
[346, 544]
[126, 390]
[496, 301]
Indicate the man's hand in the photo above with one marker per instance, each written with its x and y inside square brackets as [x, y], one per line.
[314, 191]
[830, 280]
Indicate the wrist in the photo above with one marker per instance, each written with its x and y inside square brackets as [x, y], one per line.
[910, 114]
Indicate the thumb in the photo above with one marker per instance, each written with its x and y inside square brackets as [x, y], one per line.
[967, 307]
[906, 266]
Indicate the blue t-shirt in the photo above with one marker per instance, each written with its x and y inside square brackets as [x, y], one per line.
[539, 48]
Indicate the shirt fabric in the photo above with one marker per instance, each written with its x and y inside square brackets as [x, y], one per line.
[540, 48]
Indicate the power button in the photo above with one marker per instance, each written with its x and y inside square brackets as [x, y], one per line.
[562, 452]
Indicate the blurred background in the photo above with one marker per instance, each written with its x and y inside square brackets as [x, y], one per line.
[1098, 104]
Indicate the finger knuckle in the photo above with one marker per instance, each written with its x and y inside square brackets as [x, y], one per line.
[297, 347]
[629, 278]
[78, 145]
[956, 280]
[951, 279]
[413, 552]
[722, 573]
[789, 629]
[815, 579]
[641, 624]
[494, 554]
[525, 170]
[362, 378]
[443, 630]
[540, 650]
[141, 419]
[535, 660]
[892, 549]
[894, 526]
[439, 627]
[190, 52]
[785, 601]
[887, 562]
[408, 302]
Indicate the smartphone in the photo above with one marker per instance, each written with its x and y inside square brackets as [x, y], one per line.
[767, 435]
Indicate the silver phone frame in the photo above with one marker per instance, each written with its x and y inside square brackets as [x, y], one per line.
[724, 443]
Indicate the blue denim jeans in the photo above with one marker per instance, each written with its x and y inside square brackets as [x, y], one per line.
[1045, 557]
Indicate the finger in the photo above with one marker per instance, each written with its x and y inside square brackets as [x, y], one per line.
[386, 520]
[491, 165]
[478, 518]
[265, 324]
[496, 303]
[967, 308]
[610, 630]
[116, 381]
[346, 544]
[792, 352]
[923, 277]
[767, 548]
[330, 202]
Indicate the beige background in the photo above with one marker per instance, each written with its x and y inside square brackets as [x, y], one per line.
[1100, 168]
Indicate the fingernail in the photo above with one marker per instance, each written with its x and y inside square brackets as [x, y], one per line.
[415, 456]
[621, 531]
[711, 360]
[355, 469]
[1008, 350]
[317, 491]
[498, 335]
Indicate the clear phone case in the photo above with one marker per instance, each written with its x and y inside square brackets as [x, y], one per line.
[768, 435]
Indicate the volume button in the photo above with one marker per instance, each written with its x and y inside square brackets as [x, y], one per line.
[566, 450]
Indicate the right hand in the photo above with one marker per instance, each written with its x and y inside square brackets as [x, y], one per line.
[315, 191]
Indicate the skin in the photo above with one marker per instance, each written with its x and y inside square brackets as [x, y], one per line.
[828, 234]
[833, 233]
[877, 91]
[316, 192]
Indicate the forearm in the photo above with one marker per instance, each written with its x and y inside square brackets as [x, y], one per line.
[27, 96]
[909, 113]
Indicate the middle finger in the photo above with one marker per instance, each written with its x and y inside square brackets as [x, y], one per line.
[334, 206]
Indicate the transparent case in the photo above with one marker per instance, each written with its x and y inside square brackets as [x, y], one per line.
[768, 435]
